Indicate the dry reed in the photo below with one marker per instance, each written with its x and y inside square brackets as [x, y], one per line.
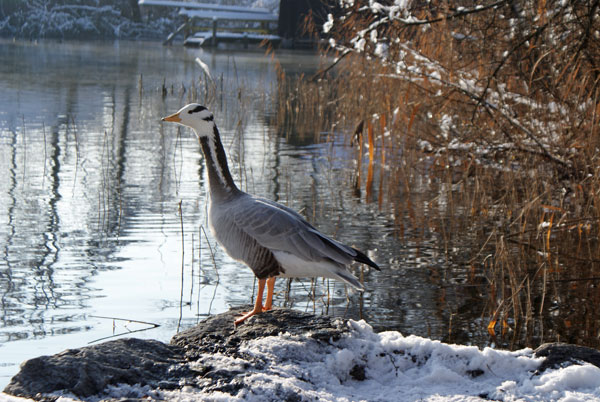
[503, 132]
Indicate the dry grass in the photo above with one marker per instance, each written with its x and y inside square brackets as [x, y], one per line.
[504, 137]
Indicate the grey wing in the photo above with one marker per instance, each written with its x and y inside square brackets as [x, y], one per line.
[279, 228]
[240, 245]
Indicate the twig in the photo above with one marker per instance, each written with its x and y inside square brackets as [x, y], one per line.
[154, 325]
[508, 55]
[151, 324]
[319, 74]
[182, 267]
[24, 150]
[537, 249]
[458, 14]
[212, 255]
[45, 154]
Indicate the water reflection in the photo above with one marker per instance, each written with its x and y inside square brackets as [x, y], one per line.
[103, 208]
[91, 226]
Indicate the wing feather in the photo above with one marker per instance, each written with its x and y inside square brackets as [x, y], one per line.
[279, 228]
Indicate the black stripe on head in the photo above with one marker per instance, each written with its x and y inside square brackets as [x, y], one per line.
[197, 109]
[209, 118]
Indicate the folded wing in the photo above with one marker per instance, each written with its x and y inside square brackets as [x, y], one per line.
[279, 228]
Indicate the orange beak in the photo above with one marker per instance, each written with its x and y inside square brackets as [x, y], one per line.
[174, 118]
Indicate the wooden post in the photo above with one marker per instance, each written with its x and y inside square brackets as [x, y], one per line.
[188, 29]
[214, 33]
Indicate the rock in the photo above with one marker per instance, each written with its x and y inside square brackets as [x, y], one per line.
[210, 357]
[564, 354]
[89, 370]
[217, 334]
[358, 372]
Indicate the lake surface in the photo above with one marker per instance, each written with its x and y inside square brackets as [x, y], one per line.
[103, 207]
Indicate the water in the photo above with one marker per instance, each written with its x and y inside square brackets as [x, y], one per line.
[102, 206]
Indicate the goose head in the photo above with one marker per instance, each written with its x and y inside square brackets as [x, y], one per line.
[195, 116]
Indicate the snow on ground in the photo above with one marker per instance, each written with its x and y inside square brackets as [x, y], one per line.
[386, 366]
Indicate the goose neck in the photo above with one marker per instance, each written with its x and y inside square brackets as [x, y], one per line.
[219, 178]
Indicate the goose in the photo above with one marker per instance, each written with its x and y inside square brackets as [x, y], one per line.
[272, 239]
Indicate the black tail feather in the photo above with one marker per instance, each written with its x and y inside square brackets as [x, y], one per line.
[359, 257]
[362, 258]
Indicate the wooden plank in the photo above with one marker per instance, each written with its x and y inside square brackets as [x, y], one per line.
[201, 6]
[235, 35]
[208, 38]
[230, 16]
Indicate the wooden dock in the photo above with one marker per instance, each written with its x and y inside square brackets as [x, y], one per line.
[211, 24]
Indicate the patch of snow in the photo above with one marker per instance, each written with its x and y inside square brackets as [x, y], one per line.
[395, 115]
[381, 50]
[435, 75]
[445, 125]
[373, 36]
[328, 24]
[376, 7]
[365, 365]
[456, 145]
[425, 145]
[360, 44]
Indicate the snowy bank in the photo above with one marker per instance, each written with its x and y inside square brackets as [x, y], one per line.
[83, 19]
[289, 355]
[97, 19]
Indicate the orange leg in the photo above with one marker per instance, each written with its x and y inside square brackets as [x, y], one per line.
[258, 307]
[270, 289]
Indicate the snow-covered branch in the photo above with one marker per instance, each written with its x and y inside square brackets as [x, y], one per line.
[521, 70]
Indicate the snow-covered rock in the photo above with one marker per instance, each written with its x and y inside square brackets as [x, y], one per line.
[289, 355]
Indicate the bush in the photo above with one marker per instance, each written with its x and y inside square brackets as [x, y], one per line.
[494, 109]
